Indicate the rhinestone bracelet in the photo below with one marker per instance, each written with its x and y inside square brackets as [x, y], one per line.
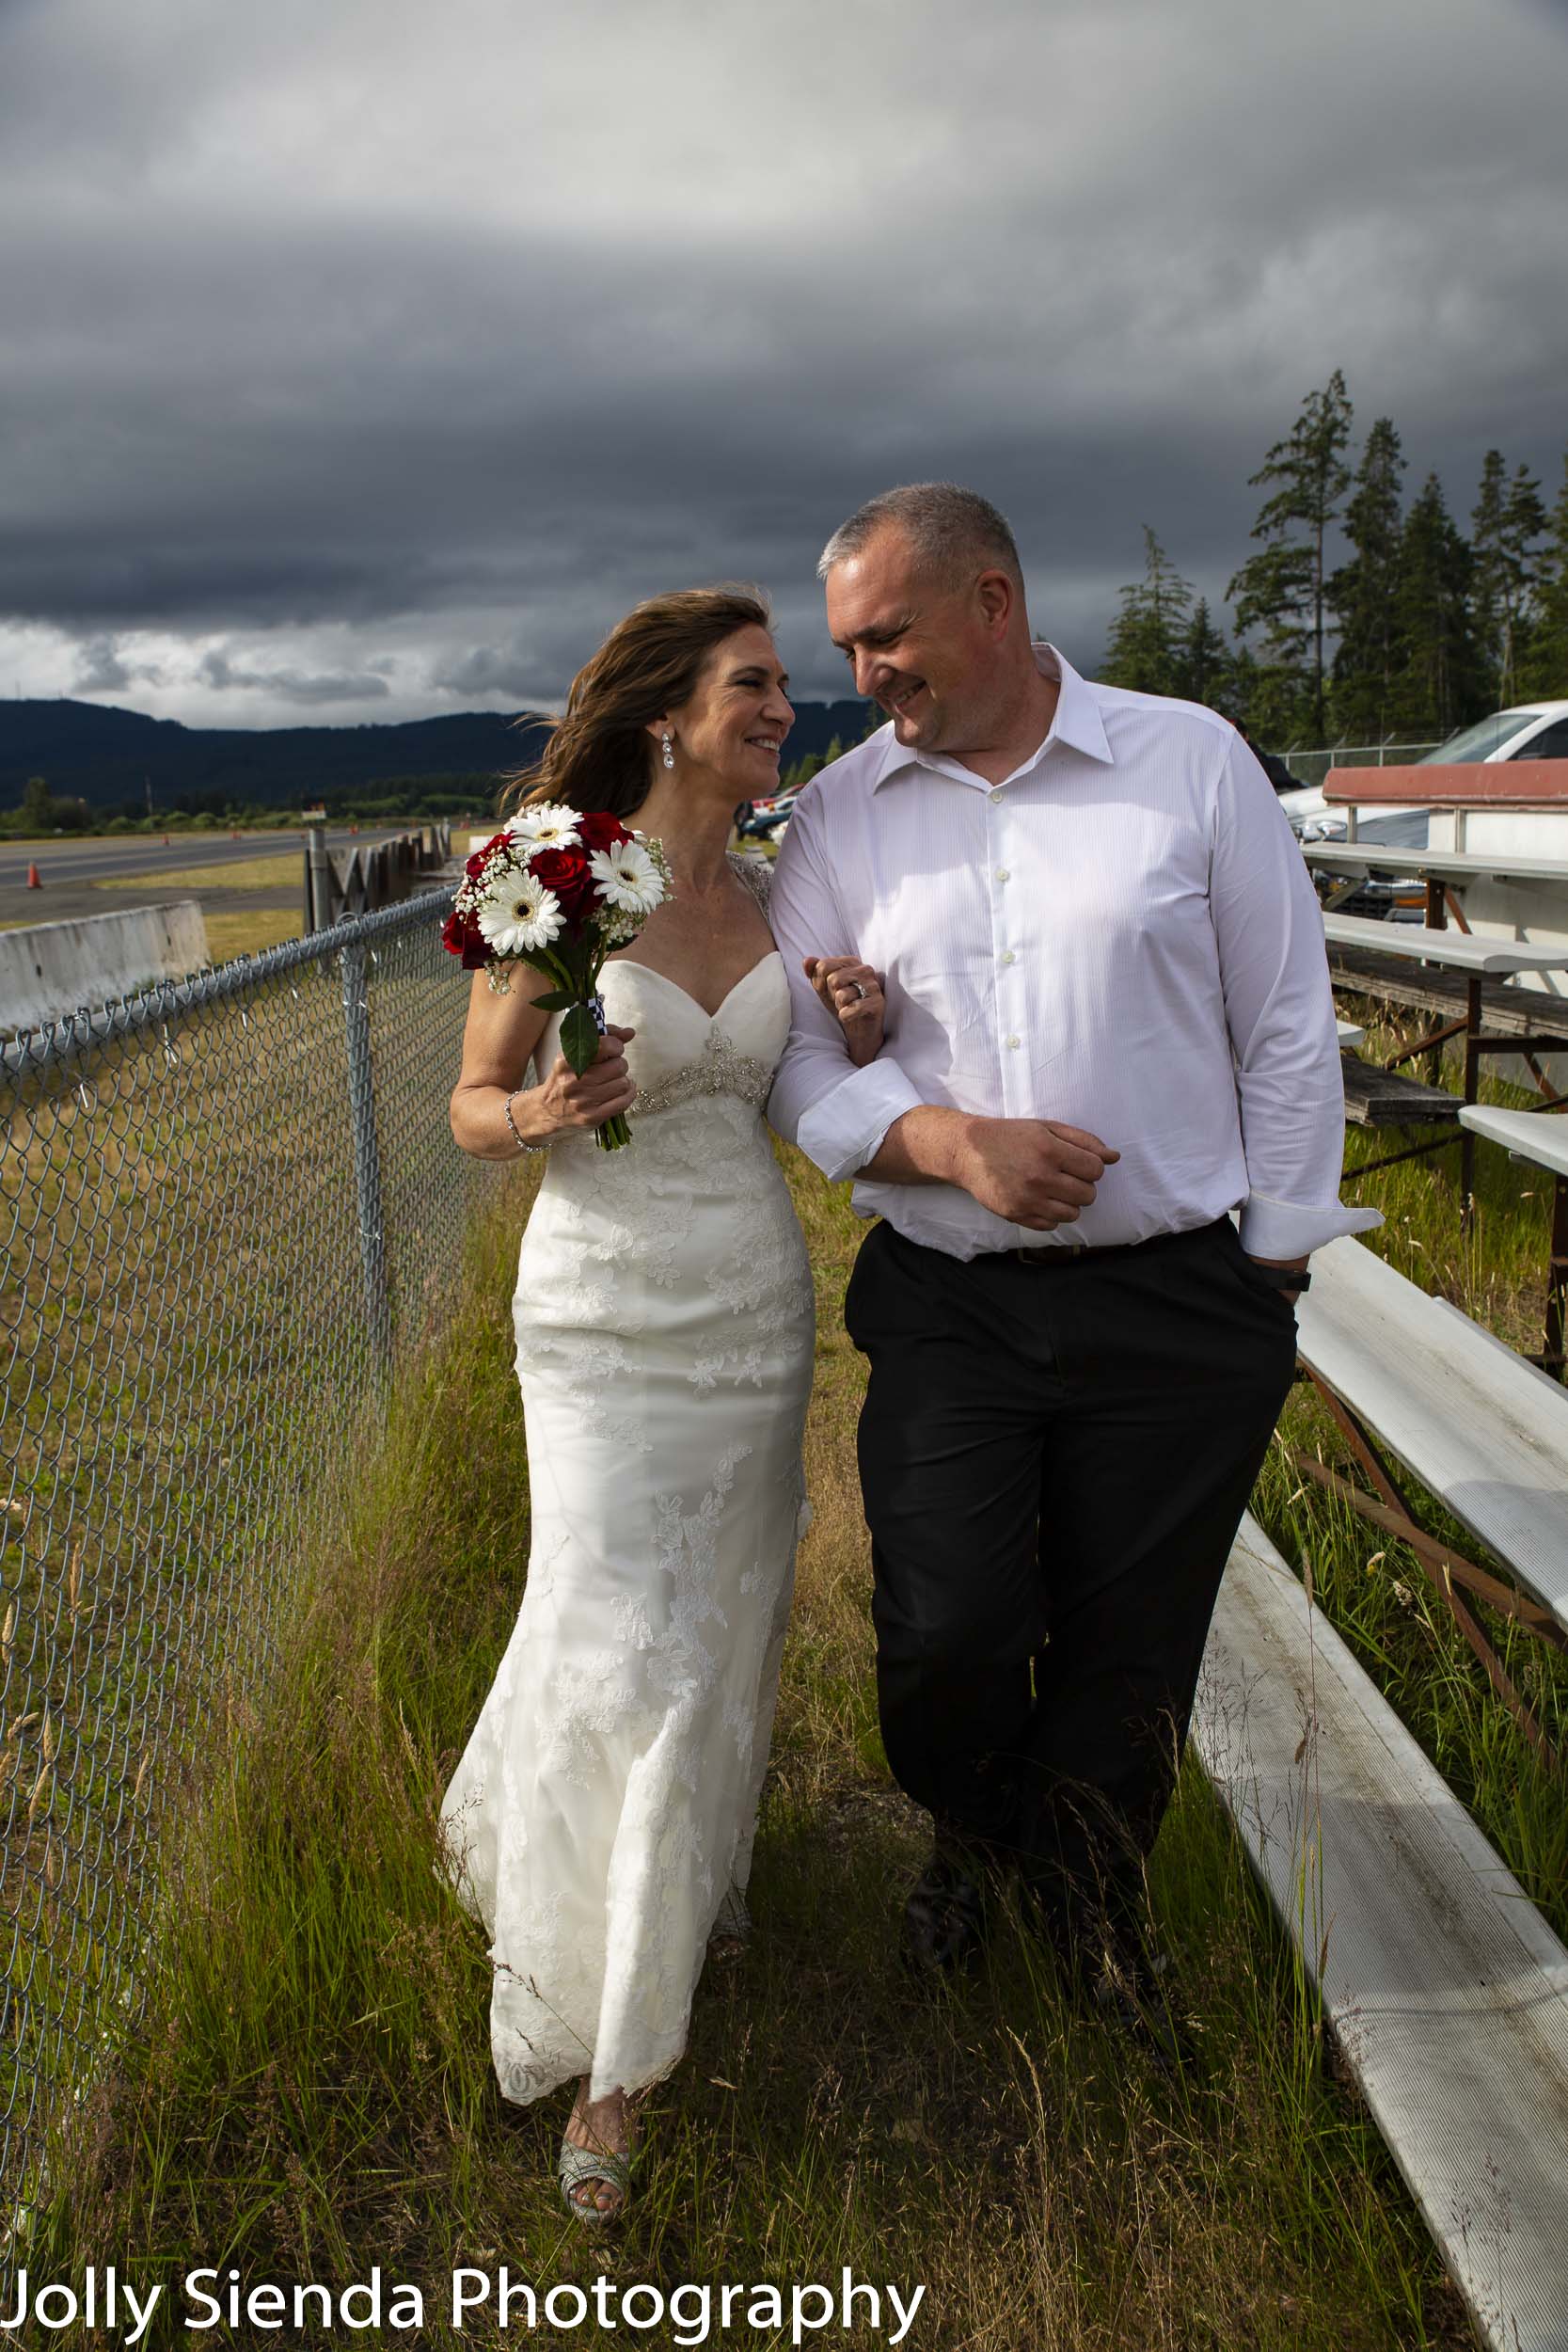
[520, 1142]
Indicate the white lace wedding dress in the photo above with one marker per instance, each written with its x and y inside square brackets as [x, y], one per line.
[607, 1801]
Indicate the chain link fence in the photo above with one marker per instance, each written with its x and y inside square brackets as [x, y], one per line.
[227, 1204]
[1310, 765]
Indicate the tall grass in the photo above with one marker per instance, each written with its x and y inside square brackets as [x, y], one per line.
[312, 2092]
[183, 1349]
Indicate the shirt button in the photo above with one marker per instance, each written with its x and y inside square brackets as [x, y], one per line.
[1002, 873]
[995, 799]
[1014, 1042]
[1007, 956]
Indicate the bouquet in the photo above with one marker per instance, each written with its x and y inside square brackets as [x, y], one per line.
[557, 890]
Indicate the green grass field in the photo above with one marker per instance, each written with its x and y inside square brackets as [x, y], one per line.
[309, 2088]
[310, 2092]
[258, 873]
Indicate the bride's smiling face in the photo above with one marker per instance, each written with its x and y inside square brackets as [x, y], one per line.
[735, 724]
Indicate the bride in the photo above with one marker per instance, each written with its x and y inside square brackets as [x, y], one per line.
[600, 1823]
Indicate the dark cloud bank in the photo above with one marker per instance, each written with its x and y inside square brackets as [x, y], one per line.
[370, 366]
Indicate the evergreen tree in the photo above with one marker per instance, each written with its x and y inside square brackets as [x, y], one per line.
[1203, 664]
[1439, 680]
[802, 771]
[1544, 669]
[1282, 590]
[1508, 519]
[1361, 593]
[1486, 522]
[1148, 633]
[1247, 700]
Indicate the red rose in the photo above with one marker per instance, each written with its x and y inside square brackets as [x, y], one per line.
[600, 830]
[475, 866]
[463, 936]
[565, 872]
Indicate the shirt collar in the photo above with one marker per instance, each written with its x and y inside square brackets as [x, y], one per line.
[1076, 724]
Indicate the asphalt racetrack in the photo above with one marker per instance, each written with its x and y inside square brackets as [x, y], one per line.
[69, 868]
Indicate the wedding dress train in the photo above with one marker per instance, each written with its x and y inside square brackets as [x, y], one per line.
[607, 1802]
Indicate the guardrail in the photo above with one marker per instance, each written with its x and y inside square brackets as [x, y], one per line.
[373, 875]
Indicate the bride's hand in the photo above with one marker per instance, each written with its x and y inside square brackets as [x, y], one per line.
[853, 995]
[563, 1100]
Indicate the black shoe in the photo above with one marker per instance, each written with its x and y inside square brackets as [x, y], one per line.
[944, 1918]
[1132, 1997]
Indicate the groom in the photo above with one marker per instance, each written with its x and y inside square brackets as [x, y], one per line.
[1108, 1023]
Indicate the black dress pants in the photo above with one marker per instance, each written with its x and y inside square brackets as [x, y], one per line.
[1055, 1460]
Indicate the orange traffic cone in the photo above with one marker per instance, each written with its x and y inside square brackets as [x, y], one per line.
[34, 880]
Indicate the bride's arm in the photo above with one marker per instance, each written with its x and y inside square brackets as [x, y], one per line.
[497, 1045]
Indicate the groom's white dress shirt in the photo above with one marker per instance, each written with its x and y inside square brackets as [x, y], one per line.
[1122, 936]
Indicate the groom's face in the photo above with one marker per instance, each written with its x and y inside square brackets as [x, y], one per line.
[923, 649]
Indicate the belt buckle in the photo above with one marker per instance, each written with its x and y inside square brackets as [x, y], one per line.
[1051, 1252]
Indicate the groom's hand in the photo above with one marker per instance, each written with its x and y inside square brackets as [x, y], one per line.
[1038, 1172]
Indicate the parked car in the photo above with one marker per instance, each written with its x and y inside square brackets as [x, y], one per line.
[763, 821]
[1525, 731]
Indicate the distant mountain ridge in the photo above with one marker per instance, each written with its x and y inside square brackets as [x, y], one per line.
[106, 756]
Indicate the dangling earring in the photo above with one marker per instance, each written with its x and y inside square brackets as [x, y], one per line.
[669, 748]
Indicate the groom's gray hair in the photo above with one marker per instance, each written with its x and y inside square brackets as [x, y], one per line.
[947, 526]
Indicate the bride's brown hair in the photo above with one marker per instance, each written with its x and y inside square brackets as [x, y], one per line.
[599, 755]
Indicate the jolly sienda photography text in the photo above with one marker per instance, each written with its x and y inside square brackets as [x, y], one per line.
[102, 2302]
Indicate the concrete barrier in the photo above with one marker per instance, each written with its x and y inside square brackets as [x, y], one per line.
[49, 969]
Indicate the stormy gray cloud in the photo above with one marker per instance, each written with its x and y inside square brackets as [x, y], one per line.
[378, 357]
[294, 686]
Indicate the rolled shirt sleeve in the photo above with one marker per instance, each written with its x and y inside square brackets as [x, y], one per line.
[837, 1114]
[1279, 1012]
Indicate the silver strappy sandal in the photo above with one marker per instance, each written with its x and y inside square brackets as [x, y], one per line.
[581, 2164]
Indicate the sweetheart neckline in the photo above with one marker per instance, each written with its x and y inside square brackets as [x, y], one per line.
[773, 953]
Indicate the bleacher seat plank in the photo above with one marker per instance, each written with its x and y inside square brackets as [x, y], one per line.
[1453, 950]
[1390, 1098]
[1541, 1138]
[1391, 979]
[1447, 1991]
[1474, 1423]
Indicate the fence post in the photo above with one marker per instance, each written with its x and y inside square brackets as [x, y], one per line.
[318, 882]
[366, 1155]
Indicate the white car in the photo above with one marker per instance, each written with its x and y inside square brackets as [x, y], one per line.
[1526, 731]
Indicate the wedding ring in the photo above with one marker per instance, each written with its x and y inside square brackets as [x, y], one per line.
[858, 986]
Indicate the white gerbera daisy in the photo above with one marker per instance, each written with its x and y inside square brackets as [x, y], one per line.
[627, 877]
[519, 915]
[551, 826]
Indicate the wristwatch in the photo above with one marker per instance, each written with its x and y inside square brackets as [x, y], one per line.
[1283, 1278]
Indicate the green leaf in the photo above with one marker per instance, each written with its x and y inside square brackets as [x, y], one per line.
[580, 1039]
[557, 1001]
